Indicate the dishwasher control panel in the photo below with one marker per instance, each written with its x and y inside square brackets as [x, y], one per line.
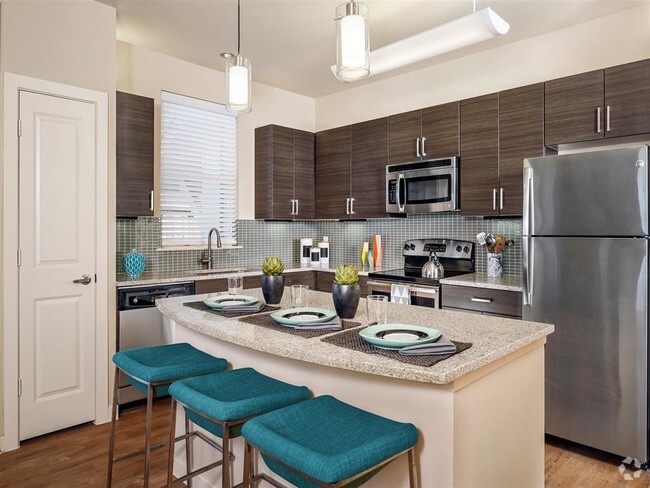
[133, 298]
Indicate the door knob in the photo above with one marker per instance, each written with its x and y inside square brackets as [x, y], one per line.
[84, 280]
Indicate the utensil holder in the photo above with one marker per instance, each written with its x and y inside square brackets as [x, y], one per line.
[495, 265]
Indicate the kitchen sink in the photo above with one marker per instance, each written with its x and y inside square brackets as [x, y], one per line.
[221, 271]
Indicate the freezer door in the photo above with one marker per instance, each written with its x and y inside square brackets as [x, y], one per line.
[595, 292]
[602, 193]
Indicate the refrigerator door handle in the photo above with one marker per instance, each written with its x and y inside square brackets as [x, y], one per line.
[527, 271]
[528, 197]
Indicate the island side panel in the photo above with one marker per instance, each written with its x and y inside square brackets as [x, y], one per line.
[499, 425]
[429, 407]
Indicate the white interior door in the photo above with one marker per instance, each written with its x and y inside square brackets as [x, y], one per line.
[57, 246]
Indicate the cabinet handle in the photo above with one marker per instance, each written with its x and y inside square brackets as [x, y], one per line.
[347, 206]
[351, 206]
[599, 127]
[481, 300]
[501, 198]
[608, 117]
[494, 198]
[297, 207]
[151, 200]
[417, 147]
[293, 212]
[424, 153]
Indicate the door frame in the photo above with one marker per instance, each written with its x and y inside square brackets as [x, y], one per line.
[13, 84]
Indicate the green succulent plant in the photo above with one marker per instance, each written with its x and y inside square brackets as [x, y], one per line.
[272, 266]
[346, 274]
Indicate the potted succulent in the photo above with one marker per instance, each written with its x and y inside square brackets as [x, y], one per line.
[346, 291]
[272, 279]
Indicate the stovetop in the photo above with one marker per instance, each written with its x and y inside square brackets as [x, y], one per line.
[408, 275]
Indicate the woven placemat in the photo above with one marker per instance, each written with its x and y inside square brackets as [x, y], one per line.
[204, 308]
[266, 321]
[351, 340]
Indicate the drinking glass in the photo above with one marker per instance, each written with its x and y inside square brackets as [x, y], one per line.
[235, 284]
[299, 296]
[377, 309]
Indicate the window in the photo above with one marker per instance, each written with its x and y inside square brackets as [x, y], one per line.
[198, 171]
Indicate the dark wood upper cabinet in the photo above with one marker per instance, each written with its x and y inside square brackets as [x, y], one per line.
[441, 131]
[479, 149]
[627, 99]
[333, 173]
[368, 161]
[134, 153]
[573, 108]
[405, 131]
[284, 173]
[521, 135]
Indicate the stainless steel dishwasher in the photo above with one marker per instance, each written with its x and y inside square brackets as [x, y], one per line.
[140, 324]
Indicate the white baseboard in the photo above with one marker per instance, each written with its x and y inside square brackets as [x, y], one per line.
[198, 482]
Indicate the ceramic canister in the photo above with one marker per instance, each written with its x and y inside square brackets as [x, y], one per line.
[134, 263]
[306, 244]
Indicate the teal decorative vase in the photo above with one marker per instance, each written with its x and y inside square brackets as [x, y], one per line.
[134, 263]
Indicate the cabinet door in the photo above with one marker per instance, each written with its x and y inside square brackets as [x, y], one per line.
[332, 173]
[210, 286]
[282, 176]
[405, 129]
[479, 155]
[134, 145]
[369, 159]
[441, 130]
[571, 108]
[304, 188]
[264, 172]
[627, 96]
[521, 135]
[298, 278]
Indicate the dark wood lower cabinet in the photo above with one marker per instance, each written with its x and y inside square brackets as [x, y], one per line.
[481, 300]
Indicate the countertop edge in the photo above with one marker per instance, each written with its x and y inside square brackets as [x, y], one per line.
[481, 280]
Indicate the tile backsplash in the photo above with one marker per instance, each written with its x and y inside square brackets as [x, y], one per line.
[259, 239]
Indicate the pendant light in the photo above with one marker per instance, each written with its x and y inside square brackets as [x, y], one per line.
[352, 41]
[238, 76]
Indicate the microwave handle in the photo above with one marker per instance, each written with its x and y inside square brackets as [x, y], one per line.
[400, 205]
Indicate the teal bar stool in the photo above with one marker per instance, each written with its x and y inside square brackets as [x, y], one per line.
[221, 403]
[151, 370]
[326, 443]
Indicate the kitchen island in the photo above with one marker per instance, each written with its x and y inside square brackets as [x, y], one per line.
[480, 413]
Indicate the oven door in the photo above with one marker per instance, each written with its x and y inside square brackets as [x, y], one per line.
[423, 296]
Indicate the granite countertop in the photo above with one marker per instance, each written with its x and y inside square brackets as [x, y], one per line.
[492, 337]
[178, 276]
[481, 280]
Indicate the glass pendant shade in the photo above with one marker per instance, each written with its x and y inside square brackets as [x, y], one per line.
[238, 84]
[352, 41]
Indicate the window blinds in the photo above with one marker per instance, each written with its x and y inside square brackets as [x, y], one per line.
[198, 171]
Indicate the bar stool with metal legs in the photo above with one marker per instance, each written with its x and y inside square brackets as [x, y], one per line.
[151, 370]
[221, 403]
[326, 443]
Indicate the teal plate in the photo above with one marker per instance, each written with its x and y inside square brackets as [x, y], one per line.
[224, 301]
[396, 336]
[302, 316]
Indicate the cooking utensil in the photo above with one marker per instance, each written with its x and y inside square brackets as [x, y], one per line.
[500, 244]
[480, 237]
[433, 268]
[490, 240]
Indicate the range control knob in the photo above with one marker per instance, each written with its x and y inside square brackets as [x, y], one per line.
[466, 249]
[412, 246]
[406, 247]
[459, 249]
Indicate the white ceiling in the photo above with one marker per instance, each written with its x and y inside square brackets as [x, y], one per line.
[291, 44]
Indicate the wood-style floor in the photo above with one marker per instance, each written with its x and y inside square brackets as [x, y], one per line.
[76, 457]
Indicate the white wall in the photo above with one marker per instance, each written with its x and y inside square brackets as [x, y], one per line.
[146, 72]
[607, 41]
[65, 42]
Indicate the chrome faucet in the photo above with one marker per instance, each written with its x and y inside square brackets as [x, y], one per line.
[206, 258]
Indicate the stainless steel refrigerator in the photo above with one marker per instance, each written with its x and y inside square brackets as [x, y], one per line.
[585, 263]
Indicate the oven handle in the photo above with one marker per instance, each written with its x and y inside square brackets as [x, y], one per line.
[382, 286]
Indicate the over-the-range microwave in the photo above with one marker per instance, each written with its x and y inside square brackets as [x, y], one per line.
[422, 186]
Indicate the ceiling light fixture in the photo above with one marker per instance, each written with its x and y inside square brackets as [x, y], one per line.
[465, 31]
[352, 41]
[238, 76]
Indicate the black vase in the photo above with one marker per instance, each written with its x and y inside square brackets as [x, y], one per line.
[346, 300]
[272, 288]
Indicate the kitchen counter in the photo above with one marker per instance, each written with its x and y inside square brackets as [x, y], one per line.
[479, 414]
[481, 280]
[178, 276]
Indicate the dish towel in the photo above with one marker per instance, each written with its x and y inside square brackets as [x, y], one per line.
[334, 324]
[243, 308]
[440, 347]
[400, 294]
